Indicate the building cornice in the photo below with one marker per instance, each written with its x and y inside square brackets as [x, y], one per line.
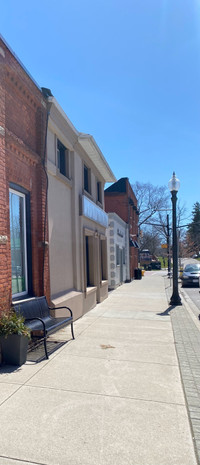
[79, 139]
[53, 103]
[94, 153]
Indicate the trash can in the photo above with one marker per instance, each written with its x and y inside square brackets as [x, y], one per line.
[138, 273]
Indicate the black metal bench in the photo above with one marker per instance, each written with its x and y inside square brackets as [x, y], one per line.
[36, 313]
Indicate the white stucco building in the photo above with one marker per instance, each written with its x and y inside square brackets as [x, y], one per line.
[77, 172]
[118, 251]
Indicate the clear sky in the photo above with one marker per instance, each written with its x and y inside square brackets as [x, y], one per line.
[127, 72]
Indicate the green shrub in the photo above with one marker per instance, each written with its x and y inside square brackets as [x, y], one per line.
[11, 323]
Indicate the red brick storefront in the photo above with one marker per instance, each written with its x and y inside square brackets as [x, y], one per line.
[120, 199]
[22, 178]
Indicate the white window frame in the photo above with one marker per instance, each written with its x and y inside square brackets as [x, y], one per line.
[23, 196]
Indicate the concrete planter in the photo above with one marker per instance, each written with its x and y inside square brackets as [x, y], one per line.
[14, 349]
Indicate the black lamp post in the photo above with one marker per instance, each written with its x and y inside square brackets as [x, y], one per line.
[174, 185]
[168, 248]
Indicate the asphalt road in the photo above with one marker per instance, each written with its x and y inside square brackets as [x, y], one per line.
[192, 292]
[184, 261]
[194, 295]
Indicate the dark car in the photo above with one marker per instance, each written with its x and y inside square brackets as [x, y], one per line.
[191, 275]
[155, 265]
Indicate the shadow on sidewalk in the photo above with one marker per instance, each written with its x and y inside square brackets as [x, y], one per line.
[167, 311]
[8, 369]
[35, 354]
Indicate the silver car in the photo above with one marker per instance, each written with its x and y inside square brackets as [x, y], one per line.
[191, 275]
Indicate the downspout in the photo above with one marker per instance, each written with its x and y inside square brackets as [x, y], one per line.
[46, 93]
[46, 198]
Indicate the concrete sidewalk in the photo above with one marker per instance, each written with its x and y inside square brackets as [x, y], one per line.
[113, 396]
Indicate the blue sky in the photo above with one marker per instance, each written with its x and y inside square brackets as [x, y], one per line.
[127, 72]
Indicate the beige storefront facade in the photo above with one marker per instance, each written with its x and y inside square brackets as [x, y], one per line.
[77, 172]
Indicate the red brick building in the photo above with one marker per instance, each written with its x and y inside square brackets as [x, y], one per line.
[23, 183]
[120, 199]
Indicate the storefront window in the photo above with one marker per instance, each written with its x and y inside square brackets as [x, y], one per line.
[18, 242]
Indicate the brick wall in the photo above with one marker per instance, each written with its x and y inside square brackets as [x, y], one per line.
[117, 203]
[5, 293]
[22, 146]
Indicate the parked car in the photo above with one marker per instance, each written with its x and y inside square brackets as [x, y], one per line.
[191, 275]
[155, 265]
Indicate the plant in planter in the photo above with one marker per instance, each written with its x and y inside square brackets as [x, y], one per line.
[14, 337]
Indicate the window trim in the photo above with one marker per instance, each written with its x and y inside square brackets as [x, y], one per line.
[88, 286]
[87, 191]
[21, 195]
[66, 173]
[21, 191]
[103, 259]
[99, 193]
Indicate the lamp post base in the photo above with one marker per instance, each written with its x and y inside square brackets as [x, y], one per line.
[175, 300]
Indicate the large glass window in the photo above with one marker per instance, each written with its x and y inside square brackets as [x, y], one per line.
[18, 242]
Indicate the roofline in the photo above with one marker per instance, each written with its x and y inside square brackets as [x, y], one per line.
[80, 136]
[53, 101]
[96, 147]
[118, 218]
[20, 62]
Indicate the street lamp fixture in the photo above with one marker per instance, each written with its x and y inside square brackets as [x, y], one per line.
[174, 185]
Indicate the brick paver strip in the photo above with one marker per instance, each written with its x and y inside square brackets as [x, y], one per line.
[187, 341]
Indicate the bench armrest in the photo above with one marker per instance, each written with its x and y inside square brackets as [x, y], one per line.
[60, 308]
[37, 318]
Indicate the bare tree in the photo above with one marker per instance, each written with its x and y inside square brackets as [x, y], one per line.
[154, 205]
[150, 199]
[150, 240]
[162, 225]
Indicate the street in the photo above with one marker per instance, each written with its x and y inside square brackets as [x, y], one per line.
[191, 293]
[194, 295]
